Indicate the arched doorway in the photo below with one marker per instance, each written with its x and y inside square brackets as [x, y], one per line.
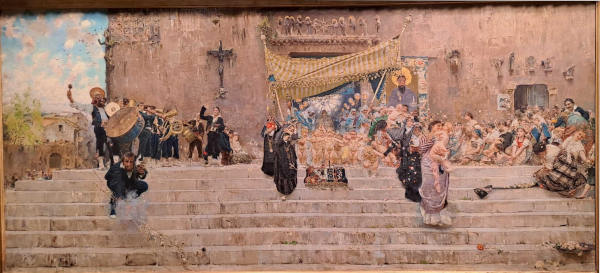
[55, 161]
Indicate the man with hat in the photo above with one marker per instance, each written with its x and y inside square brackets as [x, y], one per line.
[99, 119]
[402, 94]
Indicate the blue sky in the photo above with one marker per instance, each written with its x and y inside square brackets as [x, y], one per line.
[43, 53]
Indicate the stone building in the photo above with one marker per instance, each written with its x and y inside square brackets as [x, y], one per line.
[67, 144]
[486, 59]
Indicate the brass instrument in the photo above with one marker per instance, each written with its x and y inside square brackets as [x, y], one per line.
[175, 128]
[170, 114]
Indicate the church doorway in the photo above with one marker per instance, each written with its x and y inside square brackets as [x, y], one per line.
[527, 96]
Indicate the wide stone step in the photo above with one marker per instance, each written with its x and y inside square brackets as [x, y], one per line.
[253, 171]
[264, 194]
[291, 254]
[302, 206]
[304, 236]
[577, 267]
[299, 220]
[255, 183]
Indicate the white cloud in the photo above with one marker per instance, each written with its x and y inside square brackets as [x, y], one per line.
[27, 41]
[69, 43]
[73, 17]
[57, 67]
[28, 46]
[38, 27]
[7, 22]
[59, 21]
[40, 57]
[85, 23]
[48, 77]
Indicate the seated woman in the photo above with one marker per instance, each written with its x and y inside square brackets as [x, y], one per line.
[238, 156]
[494, 153]
[520, 149]
[568, 173]
[474, 147]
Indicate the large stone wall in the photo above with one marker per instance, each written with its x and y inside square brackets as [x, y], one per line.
[160, 57]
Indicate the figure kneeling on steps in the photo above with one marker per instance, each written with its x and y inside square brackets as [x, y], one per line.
[123, 179]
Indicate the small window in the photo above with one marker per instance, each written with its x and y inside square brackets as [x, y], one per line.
[60, 127]
[527, 96]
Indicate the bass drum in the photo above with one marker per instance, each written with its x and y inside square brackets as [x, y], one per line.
[125, 125]
[188, 134]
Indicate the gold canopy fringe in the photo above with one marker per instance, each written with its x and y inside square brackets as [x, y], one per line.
[303, 77]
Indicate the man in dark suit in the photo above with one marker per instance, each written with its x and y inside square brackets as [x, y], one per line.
[123, 179]
[570, 105]
[571, 108]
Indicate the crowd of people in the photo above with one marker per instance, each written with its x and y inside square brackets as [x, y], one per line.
[156, 145]
[424, 150]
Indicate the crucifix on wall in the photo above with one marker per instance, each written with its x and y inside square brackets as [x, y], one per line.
[221, 55]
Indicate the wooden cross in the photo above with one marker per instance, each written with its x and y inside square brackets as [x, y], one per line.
[221, 55]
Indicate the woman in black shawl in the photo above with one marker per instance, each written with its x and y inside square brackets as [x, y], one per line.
[286, 165]
[268, 133]
[214, 126]
[409, 171]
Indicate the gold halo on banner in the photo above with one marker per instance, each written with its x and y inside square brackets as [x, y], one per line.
[404, 71]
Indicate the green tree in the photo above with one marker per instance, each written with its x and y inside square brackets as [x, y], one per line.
[23, 121]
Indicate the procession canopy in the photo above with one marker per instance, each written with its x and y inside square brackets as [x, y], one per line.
[304, 77]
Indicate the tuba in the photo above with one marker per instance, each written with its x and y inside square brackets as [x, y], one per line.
[175, 128]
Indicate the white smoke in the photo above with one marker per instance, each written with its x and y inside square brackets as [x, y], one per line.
[132, 211]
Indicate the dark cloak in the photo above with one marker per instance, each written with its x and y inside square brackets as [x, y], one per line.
[269, 151]
[286, 164]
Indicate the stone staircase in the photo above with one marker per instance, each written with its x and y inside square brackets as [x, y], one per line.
[233, 218]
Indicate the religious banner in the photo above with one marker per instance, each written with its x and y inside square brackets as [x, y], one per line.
[304, 77]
